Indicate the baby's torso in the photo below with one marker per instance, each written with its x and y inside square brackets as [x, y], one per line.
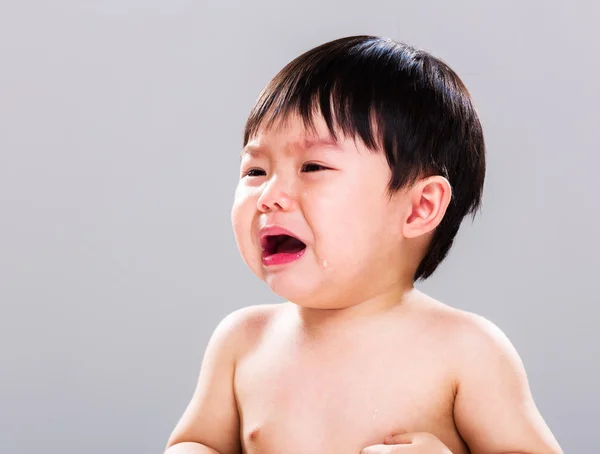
[297, 396]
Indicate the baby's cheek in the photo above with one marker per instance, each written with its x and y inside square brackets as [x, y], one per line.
[242, 194]
[241, 222]
[236, 220]
[244, 201]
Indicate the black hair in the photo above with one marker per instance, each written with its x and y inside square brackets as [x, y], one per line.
[394, 98]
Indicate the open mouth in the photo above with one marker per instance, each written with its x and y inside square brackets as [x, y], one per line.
[282, 244]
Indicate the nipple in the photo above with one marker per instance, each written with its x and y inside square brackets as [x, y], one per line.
[254, 434]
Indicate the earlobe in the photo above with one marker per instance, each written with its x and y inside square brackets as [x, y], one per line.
[429, 201]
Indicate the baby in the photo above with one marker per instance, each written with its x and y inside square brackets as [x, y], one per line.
[360, 160]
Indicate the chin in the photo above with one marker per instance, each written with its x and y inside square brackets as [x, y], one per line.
[291, 288]
[300, 293]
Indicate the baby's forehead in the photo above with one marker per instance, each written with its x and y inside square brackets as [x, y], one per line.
[292, 136]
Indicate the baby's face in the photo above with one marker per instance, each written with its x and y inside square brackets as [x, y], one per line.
[334, 199]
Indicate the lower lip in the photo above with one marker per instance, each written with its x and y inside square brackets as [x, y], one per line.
[281, 258]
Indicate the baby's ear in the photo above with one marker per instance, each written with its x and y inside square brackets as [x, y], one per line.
[428, 201]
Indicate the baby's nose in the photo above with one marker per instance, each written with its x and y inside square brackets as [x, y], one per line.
[280, 201]
[276, 197]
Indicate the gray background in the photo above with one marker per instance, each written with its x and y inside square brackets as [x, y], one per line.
[120, 128]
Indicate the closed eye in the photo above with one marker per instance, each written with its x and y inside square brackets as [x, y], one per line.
[313, 167]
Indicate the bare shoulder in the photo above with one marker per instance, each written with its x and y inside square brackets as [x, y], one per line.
[479, 341]
[211, 417]
[243, 327]
[470, 341]
[484, 359]
[469, 335]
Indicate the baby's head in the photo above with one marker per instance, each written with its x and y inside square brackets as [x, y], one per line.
[369, 153]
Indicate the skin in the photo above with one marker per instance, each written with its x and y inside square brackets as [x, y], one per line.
[357, 354]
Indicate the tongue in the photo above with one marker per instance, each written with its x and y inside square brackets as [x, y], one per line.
[289, 245]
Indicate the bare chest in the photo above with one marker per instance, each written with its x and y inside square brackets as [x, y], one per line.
[340, 400]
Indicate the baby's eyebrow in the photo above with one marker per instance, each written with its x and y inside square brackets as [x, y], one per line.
[328, 142]
[251, 150]
[306, 144]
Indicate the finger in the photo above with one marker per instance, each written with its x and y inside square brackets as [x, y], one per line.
[377, 449]
[411, 438]
[400, 439]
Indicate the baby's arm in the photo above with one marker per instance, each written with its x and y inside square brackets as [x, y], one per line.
[494, 410]
[210, 423]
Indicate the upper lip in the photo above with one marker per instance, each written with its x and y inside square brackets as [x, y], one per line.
[272, 230]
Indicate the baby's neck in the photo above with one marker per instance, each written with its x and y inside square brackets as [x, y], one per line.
[316, 322]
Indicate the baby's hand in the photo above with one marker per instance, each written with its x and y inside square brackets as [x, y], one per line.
[409, 443]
